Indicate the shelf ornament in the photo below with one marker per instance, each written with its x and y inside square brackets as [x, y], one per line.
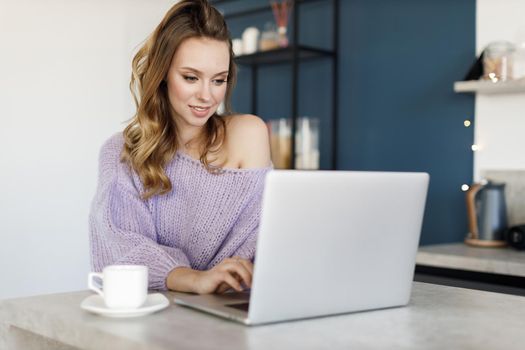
[281, 11]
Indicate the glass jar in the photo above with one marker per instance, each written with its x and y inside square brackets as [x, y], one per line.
[498, 61]
[281, 142]
[269, 38]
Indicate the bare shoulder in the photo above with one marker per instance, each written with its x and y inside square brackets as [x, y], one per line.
[248, 141]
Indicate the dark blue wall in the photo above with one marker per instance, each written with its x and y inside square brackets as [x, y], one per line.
[397, 111]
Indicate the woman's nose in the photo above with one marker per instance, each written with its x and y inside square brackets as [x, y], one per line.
[204, 93]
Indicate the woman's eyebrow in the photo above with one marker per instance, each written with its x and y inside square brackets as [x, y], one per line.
[199, 72]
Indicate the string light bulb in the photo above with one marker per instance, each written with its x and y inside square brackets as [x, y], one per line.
[465, 187]
[467, 123]
[475, 148]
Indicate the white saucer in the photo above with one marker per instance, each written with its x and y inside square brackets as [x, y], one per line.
[154, 302]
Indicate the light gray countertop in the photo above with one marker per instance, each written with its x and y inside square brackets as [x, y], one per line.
[505, 261]
[437, 317]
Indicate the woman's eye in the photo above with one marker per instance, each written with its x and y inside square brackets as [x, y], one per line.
[220, 81]
[190, 78]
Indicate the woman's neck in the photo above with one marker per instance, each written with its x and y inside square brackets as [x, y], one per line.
[190, 141]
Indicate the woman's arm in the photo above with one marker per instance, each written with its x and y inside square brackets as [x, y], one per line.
[121, 227]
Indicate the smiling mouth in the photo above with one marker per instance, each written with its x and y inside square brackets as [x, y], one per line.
[200, 109]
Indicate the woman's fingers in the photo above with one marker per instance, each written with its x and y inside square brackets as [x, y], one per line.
[223, 287]
[241, 270]
[248, 265]
[232, 282]
[232, 272]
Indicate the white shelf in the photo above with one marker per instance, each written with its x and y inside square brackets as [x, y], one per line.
[488, 87]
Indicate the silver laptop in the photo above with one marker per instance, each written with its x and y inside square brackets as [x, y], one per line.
[330, 242]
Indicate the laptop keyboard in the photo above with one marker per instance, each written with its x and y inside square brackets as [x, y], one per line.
[240, 306]
[238, 296]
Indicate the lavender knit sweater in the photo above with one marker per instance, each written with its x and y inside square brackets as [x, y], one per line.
[204, 219]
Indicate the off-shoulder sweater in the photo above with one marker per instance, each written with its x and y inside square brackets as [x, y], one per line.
[204, 219]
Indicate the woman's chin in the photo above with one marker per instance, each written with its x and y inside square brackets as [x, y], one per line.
[198, 122]
[192, 120]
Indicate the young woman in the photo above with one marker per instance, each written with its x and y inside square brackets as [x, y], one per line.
[180, 188]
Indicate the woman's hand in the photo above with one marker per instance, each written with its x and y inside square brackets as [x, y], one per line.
[229, 273]
[223, 287]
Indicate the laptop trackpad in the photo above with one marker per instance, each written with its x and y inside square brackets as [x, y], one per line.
[237, 300]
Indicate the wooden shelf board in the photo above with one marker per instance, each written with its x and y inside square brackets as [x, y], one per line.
[488, 87]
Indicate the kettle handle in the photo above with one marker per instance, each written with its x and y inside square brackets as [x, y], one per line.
[471, 211]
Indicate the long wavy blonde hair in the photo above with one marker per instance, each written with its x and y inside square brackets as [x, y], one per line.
[151, 137]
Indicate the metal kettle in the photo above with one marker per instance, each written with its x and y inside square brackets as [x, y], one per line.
[487, 214]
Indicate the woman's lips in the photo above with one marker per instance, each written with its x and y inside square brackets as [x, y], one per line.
[199, 111]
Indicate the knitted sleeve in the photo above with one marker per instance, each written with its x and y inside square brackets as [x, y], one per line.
[242, 239]
[248, 227]
[122, 230]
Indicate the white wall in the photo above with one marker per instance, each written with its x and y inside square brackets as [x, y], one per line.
[500, 119]
[64, 73]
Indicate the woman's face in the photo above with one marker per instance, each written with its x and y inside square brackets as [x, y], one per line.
[197, 80]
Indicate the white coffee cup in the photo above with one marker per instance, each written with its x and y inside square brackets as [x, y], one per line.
[123, 286]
